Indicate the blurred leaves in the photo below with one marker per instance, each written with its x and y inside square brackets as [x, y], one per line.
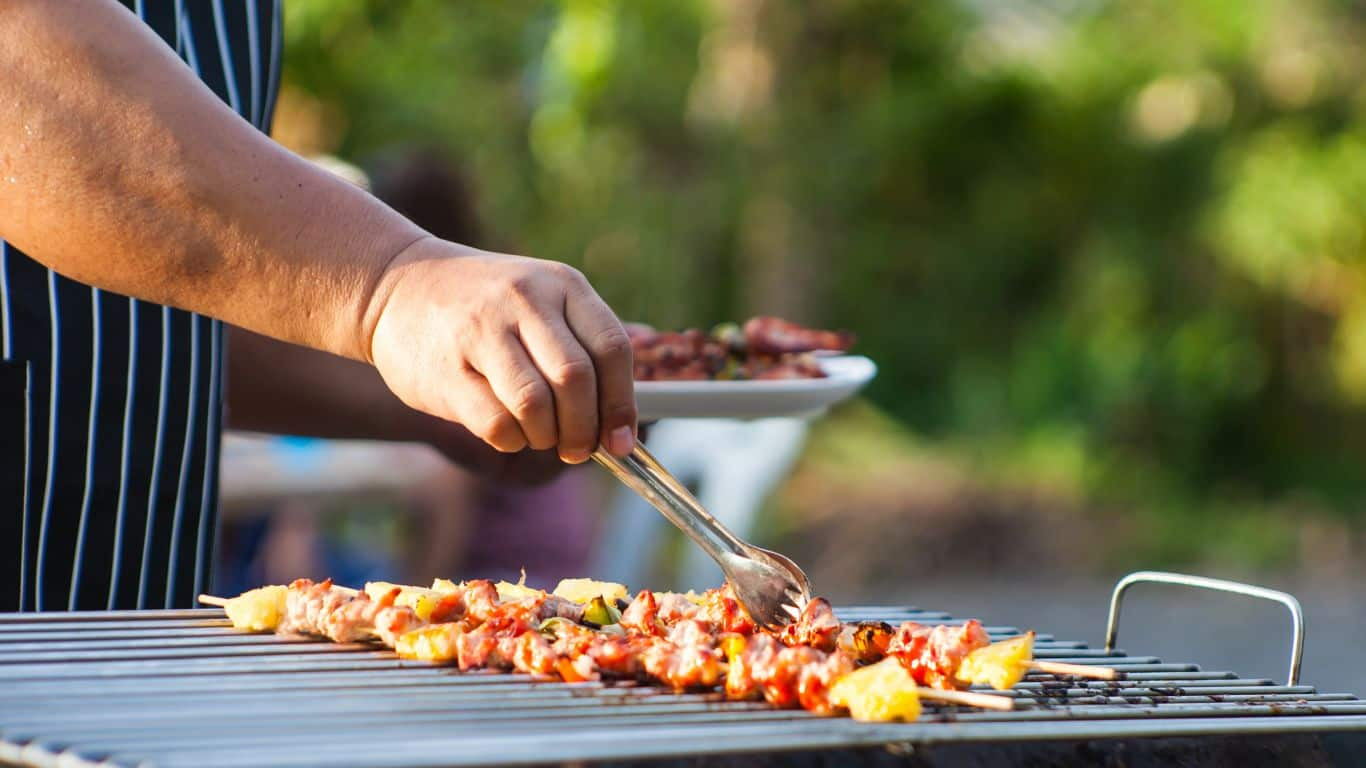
[1121, 245]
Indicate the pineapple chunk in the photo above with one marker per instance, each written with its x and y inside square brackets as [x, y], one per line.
[258, 610]
[445, 586]
[431, 643]
[378, 589]
[878, 693]
[584, 590]
[1000, 665]
[507, 591]
[422, 601]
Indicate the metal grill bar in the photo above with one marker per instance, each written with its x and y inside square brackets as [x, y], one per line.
[173, 688]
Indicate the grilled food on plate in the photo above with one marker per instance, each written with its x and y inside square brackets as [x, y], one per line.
[765, 348]
[587, 630]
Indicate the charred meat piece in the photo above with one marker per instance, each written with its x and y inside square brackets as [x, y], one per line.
[534, 655]
[816, 627]
[674, 608]
[932, 654]
[688, 658]
[308, 605]
[618, 657]
[775, 336]
[344, 615]
[788, 677]
[746, 655]
[816, 679]
[481, 599]
[720, 608]
[767, 348]
[642, 615]
[865, 641]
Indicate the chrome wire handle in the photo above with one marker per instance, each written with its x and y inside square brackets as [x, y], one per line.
[1218, 585]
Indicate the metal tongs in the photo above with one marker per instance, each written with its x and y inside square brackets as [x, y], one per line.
[770, 587]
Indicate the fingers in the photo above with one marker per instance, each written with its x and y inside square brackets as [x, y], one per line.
[480, 411]
[570, 372]
[601, 334]
[517, 383]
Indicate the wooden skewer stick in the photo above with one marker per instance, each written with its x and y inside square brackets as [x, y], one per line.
[222, 602]
[967, 698]
[1078, 670]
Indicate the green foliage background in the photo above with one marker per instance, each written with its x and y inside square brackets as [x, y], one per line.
[1118, 247]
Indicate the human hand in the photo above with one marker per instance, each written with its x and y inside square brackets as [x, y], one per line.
[522, 352]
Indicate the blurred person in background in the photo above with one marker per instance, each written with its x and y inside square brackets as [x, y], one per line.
[158, 225]
[283, 495]
[548, 529]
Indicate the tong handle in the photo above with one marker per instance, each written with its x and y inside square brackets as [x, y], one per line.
[1218, 585]
[644, 475]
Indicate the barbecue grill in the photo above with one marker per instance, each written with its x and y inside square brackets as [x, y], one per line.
[182, 688]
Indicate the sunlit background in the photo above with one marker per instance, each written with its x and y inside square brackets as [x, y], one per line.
[1109, 256]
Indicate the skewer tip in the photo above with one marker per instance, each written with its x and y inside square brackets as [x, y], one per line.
[968, 698]
[1076, 670]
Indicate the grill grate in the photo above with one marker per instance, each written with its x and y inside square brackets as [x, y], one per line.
[182, 688]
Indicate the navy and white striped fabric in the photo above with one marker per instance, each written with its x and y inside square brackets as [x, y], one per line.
[111, 408]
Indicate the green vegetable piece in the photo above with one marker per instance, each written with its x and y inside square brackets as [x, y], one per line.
[551, 626]
[601, 613]
[731, 336]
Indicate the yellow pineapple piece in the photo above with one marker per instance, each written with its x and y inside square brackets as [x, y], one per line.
[584, 590]
[1000, 665]
[258, 610]
[507, 591]
[422, 601]
[732, 645]
[431, 643]
[878, 693]
[445, 586]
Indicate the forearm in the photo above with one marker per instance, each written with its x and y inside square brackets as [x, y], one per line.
[122, 170]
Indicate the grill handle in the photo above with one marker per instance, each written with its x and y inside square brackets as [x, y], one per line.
[1219, 585]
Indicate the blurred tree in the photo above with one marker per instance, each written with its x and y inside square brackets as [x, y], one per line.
[1120, 243]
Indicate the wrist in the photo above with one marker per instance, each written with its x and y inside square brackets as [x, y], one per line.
[379, 289]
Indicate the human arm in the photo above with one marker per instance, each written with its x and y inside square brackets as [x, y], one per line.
[282, 388]
[118, 168]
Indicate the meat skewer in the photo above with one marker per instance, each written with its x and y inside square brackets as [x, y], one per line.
[948, 656]
[684, 641]
[934, 655]
[885, 691]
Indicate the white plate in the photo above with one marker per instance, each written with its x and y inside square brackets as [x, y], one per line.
[845, 375]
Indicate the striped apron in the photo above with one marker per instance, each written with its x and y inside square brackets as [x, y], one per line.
[111, 408]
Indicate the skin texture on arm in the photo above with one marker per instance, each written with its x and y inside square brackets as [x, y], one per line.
[273, 386]
[120, 169]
